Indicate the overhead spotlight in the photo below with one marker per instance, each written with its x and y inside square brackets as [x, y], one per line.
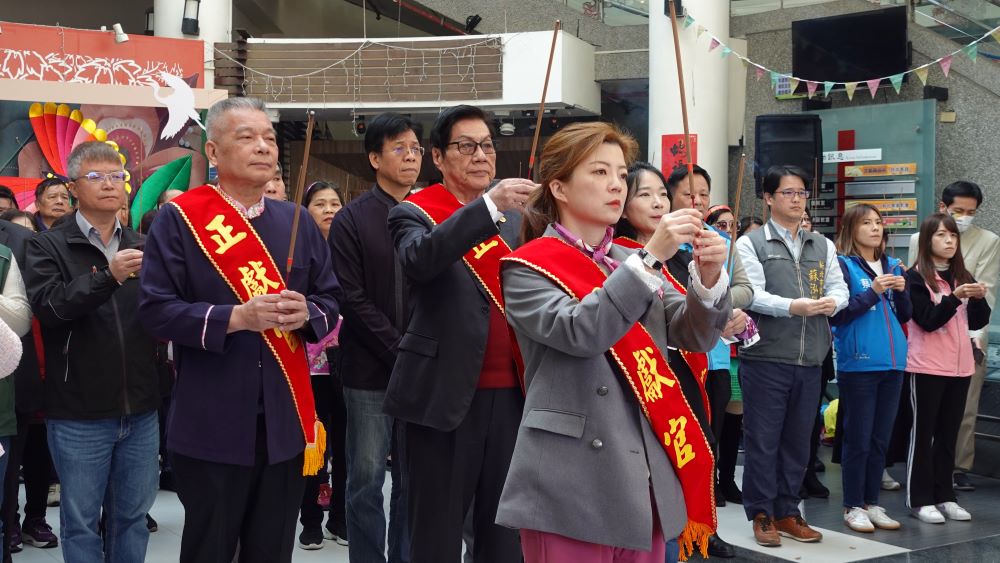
[528, 113]
[189, 21]
[553, 123]
[471, 22]
[507, 128]
[359, 125]
[120, 35]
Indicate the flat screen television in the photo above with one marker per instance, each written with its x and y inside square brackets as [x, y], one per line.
[852, 47]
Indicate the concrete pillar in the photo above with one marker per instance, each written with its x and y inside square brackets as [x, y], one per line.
[214, 26]
[706, 82]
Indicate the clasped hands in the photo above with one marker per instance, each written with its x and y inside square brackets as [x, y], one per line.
[285, 311]
[685, 226]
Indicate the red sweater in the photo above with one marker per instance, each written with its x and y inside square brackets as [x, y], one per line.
[498, 364]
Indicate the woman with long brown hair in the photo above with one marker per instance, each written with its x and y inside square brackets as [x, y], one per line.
[871, 358]
[608, 450]
[947, 304]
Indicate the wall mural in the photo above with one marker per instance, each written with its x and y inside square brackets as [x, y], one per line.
[36, 138]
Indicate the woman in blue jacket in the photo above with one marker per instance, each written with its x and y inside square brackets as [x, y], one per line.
[871, 357]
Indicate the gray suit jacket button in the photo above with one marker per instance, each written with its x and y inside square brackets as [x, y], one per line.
[602, 390]
[597, 444]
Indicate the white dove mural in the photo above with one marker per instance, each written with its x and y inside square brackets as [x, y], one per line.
[180, 105]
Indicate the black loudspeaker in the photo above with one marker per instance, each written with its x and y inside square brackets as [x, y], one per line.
[795, 139]
[677, 6]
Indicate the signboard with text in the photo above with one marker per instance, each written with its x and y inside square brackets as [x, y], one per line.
[869, 170]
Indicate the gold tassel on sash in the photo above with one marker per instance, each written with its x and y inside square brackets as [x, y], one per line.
[314, 453]
[694, 533]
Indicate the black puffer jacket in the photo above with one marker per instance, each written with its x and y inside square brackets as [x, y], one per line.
[99, 361]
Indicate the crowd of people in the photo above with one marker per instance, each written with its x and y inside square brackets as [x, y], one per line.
[553, 371]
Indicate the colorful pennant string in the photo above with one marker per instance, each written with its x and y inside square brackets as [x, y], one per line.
[897, 81]
[971, 51]
[850, 87]
[873, 85]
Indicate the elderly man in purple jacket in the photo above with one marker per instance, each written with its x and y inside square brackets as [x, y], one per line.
[235, 434]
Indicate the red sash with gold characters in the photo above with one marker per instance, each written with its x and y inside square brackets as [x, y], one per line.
[234, 248]
[655, 386]
[483, 260]
[696, 361]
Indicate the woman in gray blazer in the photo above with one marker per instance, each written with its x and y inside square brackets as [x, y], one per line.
[590, 480]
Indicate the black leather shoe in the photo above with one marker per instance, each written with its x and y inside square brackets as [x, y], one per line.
[730, 492]
[814, 487]
[818, 466]
[962, 482]
[718, 547]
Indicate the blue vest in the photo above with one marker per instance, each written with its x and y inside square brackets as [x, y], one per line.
[875, 340]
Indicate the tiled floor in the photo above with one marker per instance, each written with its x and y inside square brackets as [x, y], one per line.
[974, 542]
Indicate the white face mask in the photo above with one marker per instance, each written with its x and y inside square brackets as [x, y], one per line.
[964, 222]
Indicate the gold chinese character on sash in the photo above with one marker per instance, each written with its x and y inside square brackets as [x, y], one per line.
[652, 381]
[678, 438]
[290, 337]
[255, 279]
[225, 238]
[483, 248]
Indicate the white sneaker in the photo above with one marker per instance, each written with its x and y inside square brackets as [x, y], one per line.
[880, 519]
[928, 514]
[888, 483]
[857, 520]
[953, 511]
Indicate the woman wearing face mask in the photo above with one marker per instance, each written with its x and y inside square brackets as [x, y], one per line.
[608, 450]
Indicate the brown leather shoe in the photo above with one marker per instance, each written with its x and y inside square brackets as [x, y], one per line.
[764, 531]
[797, 529]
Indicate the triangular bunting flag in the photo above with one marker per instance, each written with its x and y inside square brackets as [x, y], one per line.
[996, 35]
[793, 84]
[827, 86]
[922, 75]
[850, 86]
[897, 81]
[759, 72]
[742, 61]
[774, 79]
[726, 51]
[713, 44]
[811, 88]
[701, 29]
[971, 50]
[873, 85]
[688, 21]
[946, 65]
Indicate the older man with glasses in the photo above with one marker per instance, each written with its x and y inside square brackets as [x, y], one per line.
[102, 390]
[797, 287]
[454, 381]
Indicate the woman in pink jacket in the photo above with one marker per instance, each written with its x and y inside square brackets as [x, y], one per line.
[947, 303]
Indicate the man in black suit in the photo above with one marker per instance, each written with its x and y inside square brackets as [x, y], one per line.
[454, 381]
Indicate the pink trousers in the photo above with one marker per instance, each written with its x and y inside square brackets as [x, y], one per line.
[544, 547]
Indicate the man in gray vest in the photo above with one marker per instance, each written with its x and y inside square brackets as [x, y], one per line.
[797, 286]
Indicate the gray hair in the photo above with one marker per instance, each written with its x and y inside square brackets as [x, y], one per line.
[91, 151]
[222, 107]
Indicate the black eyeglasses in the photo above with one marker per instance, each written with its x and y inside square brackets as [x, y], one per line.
[469, 147]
